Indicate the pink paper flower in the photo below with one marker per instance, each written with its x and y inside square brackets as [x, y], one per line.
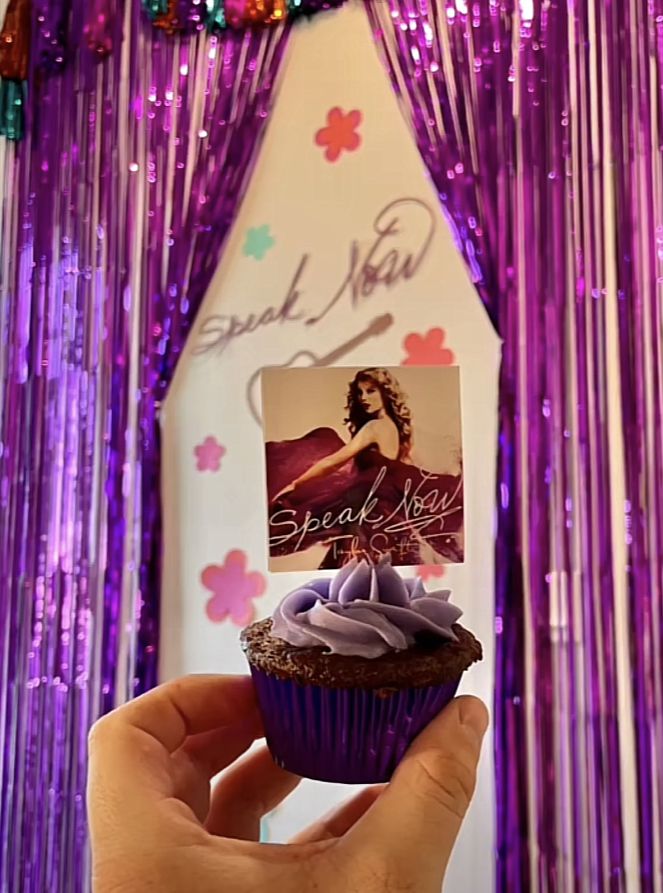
[427, 349]
[232, 588]
[340, 135]
[429, 571]
[209, 454]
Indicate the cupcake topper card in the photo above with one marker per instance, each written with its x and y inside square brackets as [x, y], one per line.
[363, 463]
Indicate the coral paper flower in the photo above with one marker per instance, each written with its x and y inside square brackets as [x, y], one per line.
[427, 349]
[340, 135]
[233, 589]
[429, 571]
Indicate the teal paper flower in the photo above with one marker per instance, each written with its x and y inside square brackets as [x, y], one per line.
[258, 242]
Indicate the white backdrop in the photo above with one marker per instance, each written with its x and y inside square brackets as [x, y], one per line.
[306, 244]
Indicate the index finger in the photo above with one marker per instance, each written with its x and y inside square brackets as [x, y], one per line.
[131, 747]
[134, 750]
[188, 706]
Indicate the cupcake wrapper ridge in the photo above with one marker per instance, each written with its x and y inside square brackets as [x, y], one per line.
[348, 736]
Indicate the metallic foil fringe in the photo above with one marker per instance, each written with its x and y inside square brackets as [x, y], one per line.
[101, 274]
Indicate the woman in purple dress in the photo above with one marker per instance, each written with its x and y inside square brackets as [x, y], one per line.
[364, 498]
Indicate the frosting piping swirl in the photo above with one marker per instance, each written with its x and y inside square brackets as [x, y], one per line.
[365, 611]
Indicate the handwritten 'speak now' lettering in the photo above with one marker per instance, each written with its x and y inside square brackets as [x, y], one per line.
[218, 331]
[382, 264]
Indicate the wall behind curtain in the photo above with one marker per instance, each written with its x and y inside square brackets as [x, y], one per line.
[317, 208]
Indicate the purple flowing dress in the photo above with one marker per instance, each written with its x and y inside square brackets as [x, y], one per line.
[370, 507]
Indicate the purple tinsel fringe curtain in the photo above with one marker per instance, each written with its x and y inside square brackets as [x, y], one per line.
[116, 207]
[540, 125]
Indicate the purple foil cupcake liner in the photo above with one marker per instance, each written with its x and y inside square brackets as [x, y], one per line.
[350, 736]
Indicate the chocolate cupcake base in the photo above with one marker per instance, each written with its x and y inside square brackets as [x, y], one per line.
[349, 736]
[429, 662]
[350, 719]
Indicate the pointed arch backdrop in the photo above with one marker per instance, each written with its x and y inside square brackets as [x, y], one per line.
[128, 149]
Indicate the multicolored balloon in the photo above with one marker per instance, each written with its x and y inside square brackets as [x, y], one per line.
[216, 15]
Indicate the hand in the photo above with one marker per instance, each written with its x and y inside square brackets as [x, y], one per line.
[155, 826]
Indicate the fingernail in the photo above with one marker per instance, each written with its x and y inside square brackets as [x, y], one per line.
[474, 715]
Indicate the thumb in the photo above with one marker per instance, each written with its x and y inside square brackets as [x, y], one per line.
[412, 827]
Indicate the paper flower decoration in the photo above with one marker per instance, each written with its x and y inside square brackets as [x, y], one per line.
[258, 242]
[233, 589]
[209, 454]
[340, 135]
[430, 571]
[427, 349]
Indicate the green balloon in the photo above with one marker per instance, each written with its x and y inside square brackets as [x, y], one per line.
[12, 109]
[216, 15]
[155, 8]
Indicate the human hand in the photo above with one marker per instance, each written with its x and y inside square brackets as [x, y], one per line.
[155, 826]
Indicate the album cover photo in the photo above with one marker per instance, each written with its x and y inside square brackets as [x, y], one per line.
[363, 462]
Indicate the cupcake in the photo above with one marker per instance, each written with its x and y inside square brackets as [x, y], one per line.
[349, 670]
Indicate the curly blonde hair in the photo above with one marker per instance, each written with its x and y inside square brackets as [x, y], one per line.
[394, 404]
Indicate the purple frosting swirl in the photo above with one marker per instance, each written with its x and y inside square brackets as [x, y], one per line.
[365, 611]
